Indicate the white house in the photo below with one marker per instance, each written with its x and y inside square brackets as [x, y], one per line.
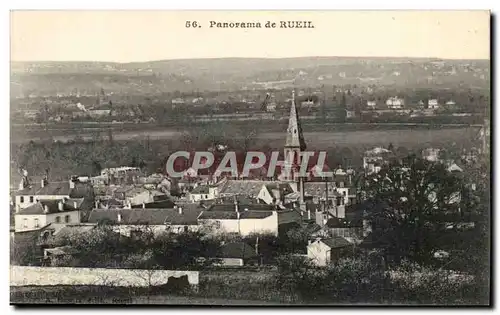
[203, 192]
[371, 104]
[44, 212]
[29, 194]
[432, 104]
[246, 219]
[374, 159]
[324, 251]
[395, 103]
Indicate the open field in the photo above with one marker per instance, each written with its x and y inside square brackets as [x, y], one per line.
[316, 135]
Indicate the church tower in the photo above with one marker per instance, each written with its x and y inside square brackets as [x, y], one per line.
[294, 145]
[294, 138]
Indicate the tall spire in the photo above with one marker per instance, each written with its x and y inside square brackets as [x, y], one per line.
[294, 136]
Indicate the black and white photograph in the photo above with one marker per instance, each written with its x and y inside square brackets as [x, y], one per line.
[250, 158]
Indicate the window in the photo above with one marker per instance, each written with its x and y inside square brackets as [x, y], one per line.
[67, 218]
[31, 199]
[37, 223]
[338, 201]
[25, 223]
[206, 196]
[58, 219]
[22, 199]
[186, 229]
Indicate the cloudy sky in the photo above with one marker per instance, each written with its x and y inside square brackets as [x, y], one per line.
[126, 36]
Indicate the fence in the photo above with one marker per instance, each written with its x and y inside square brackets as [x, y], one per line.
[24, 276]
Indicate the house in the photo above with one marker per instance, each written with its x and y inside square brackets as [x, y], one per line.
[271, 107]
[395, 103]
[95, 113]
[371, 104]
[332, 226]
[178, 101]
[251, 188]
[29, 194]
[44, 212]
[203, 192]
[237, 254]
[132, 195]
[132, 221]
[274, 193]
[247, 219]
[431, 154]
[322, 252]
[433, 104]
[374, 159]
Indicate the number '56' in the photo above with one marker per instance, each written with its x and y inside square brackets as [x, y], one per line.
[191, 24]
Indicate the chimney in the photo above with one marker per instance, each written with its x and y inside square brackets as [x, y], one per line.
[44, 182]
[119, 218]
[60, 205]
[143, 205]
[97, 204]
[309, 242]
[71, 183]
[75, 204]
[180, 210]
[45, 209]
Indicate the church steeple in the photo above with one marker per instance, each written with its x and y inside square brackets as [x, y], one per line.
[294, 136]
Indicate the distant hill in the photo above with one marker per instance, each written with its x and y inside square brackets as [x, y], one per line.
[50, 78]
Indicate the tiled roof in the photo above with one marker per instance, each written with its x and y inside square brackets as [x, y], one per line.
[251, 207]
[57, 189]
[336, 242]
[288, 216]
[243, 187]
[202, 189]
[318, 189]
[161, 204]
[232, 215]
[146, 216]
[53, 206]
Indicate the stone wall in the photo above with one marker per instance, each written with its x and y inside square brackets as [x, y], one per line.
[23, 276]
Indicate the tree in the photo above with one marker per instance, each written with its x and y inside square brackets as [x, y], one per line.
[408, 205]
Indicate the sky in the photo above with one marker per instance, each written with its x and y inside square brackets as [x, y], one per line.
[133, 36]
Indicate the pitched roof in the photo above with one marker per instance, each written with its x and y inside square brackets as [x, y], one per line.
[288, 216]
[251, 207]
[243, 187]
[237, 250]
[201, 189]
[294, 136]
[336, 242]
[146, 216]
[52, 206]
[50, 189]
[318, 189]
[161, 204]
[57, 189]
[232, 215]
